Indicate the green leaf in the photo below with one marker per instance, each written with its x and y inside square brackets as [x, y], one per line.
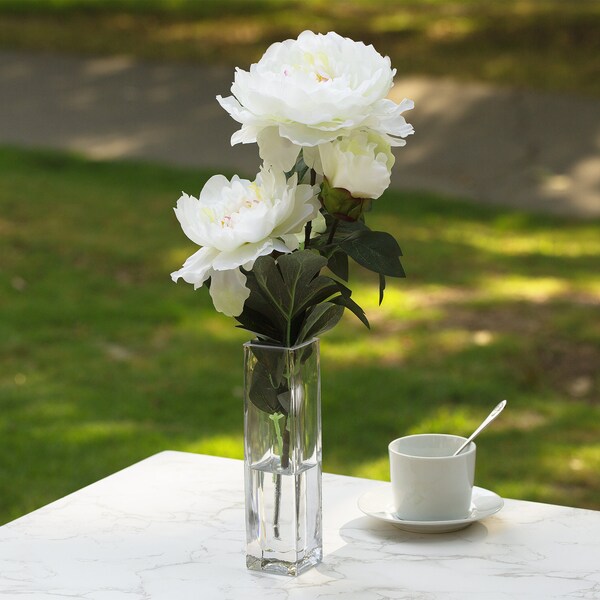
[274, 362]
[347, 302]
[338, 263]
[319, 319]
[299, 271]
[282, 291]
[258, 323]
[321, 288]
[259, 315]
[375, 250]
[271, 285]
[261, 391]
[342, 231]
[381, 287]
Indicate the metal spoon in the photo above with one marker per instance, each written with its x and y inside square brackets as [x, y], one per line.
[499, 408]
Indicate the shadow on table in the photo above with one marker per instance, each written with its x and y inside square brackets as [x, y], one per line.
[365, 529]
[368, 540]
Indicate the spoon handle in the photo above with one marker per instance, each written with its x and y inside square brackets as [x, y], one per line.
[497, 410]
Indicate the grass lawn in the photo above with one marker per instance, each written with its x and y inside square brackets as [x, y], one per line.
[545, 44]
[104, 361]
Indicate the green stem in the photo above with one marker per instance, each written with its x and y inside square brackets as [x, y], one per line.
[307, 232]
[308, 227]
[332, 232]
[285, 453]
[276, 417]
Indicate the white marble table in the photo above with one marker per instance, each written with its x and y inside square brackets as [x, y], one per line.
[172, 528]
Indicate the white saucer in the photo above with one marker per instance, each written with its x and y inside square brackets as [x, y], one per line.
[378, 504]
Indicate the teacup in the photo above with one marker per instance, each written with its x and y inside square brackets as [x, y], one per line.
[428, 483]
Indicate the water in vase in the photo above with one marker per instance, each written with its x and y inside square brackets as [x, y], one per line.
[283, 505]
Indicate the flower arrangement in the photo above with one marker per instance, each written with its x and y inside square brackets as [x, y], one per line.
[275, 254]
[275, 251]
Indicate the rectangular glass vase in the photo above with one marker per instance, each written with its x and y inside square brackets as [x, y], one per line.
[282, 456]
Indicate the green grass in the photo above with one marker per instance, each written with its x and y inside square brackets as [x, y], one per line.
[544, 44]
[104, 361]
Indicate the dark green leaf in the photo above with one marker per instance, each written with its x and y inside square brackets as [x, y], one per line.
[381, 287]
[342, 231]
[270, 282]
[261, 391]
[258, 323]
[321, 288]
[299, 271]
[348, 303]
[285, 399]
[274, 362]
[375, 250]
[319, 319]
[338, 263]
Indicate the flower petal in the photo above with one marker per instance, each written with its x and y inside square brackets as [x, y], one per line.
[186, 212]
[276, 151]
[196, 269]
[242, 256]
[229, 292]
[312, 158]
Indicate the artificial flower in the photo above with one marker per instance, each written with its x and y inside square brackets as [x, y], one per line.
[360, 163]
[237, 221]
[310, 91]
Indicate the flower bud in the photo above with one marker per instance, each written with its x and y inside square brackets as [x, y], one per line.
[340, 203]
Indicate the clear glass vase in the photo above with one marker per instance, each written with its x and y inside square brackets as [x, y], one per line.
[282, 449]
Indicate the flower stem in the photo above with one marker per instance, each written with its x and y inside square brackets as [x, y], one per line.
[285, 453]
[285, 463]
[332, 232]
[308, 226]
[307, 232]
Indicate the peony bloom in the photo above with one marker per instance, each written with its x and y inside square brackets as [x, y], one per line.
[360, 163]
[237, 221]
[310, 91]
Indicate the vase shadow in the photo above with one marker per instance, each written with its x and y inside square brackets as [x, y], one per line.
[368, 529]
[369, 540]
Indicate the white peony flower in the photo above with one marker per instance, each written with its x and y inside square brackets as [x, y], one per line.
[360, 163]
[309, 91]
[237, 221]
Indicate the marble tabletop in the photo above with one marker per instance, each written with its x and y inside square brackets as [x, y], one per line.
[172, 528]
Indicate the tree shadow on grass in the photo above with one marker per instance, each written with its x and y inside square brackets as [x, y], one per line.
[105, 361]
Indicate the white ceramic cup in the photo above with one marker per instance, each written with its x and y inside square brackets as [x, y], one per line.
[429, 484]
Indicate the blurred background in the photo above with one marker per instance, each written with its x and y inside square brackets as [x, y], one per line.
[108, 111]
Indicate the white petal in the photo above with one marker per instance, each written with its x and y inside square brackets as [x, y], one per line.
[234, 108]
[242, 256]
[213, 189]
[388, 116]
[229, 292]
[303, 135]
[290, 242]
[276, 151]
[246, 135]
[312, 158]
[406, 104]
[319, 225]
[186, 212]
[196, 269]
